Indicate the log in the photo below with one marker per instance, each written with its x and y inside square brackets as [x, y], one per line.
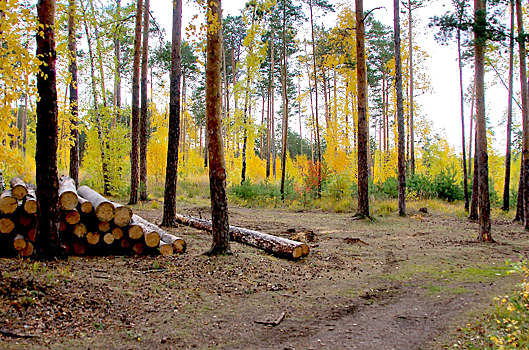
[72, 217]
[150, 234]
[177, 243]
[8, 203]
[117, 233]
[165, 249]
[103, 226]
[30, 201]
[32, 234]
[7, 225]
[68, 198]
[80, 230]
[28, 250]
[282, 247]
[125, 243]
[135, 231]
[93, 238]
[18, 188]
[26, 219]
[19, 242]
[84, 206]
[138, 248]
[123, 215]
[108, 238]
[79, 248]
[103, 208]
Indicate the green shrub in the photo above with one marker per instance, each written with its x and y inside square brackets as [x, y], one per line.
[446, 186]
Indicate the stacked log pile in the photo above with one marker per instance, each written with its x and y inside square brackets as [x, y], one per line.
[89, 224]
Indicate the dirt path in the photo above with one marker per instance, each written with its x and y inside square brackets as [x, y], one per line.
[394, 283]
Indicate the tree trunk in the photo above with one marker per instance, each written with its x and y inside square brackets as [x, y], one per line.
[400, 112]
[525, 111]
[117, 65]
[144, 105]
[475, 193]
[68, 197]
[72, 68]
[46, 152]
[412, 132]
[134, 154]
[462, 105]
[507, 179]
[363, 128]
[171, 174]
[285, 108]
[217, 163]
[481, 126]
[315, 97]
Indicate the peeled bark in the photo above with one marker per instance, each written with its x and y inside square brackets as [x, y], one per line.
[84, 205]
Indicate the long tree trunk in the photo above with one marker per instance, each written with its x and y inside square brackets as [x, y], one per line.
[412, 132]
[525, 111]
[117, 65]
[519, 204]
[173, 139]
[217, 163]
[46, 153]
[363, 128]
[462, 105]
[481, 126]
[315, 97]
[72, 68]
[507, 179]
[400, 112]
[135, 137]
[285, 107]
[144, 104]
[473, 215]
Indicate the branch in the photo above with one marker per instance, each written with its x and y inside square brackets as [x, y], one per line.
[505, 85]
[370, 11]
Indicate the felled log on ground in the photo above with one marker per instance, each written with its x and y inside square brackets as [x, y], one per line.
[19, 242]
[103, 208]
[18, 188]
[178, 244]
[282, 247]
[7, 225]
[8, 203]
[30, 201]
[68, 197]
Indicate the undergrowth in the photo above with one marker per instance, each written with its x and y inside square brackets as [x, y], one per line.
[506, 326]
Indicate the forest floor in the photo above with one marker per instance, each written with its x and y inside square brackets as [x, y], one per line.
[390, 283]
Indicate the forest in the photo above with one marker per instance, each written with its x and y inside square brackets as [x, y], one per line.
[279, 120]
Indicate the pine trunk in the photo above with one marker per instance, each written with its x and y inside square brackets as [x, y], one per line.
[72, 68]
[285, 108]
[217, 163]
[144, 105]
[47, 125]
[135, 140]
[507, 178]
[171, 174]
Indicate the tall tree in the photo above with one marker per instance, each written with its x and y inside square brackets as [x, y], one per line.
[72, 68]
[47, 181]
[217, 163]
[525, 110]
[173, 140]
[144, 104]
[285, 102]
[134, 154]
[400, 111]
[507, 179]
[460, 12]
[480, 38]
[117, 64]
[363, 128]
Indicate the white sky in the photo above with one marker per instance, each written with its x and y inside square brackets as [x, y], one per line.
[441, 106]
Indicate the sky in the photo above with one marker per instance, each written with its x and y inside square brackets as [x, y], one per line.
[441, 106]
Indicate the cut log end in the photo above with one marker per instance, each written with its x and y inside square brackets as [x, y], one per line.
[103, 226]
[92, 238]
[68, 200]
[152, 239]
[30, 206]
[135, 232]
[73, 217]
[123, 215]
[80, 230]
[165, 249]
[117, 233]
[18, 188]
[108, 238]
[8, 204]
[28, 250]
[297, 252]
[6, 225]
[19, 242]
[105, 211]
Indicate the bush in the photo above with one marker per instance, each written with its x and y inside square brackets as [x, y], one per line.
[390, 188]
[249, 191]
[446, 187]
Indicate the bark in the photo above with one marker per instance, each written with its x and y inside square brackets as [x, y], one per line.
[481, 140]
[134, 154]
[117, 64]
[285, 108]
[72, 69]
[315, 97]
[68, 198]
[400, 112]
[279, 246]
[217, 163]
[171, 174]
[474, 198]
[412, 133]
[30, 201]
[151, 234]
[46, 153]
[520, 202]
[363, 128]
[104, 209]
[507, 178]
[144, 105]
